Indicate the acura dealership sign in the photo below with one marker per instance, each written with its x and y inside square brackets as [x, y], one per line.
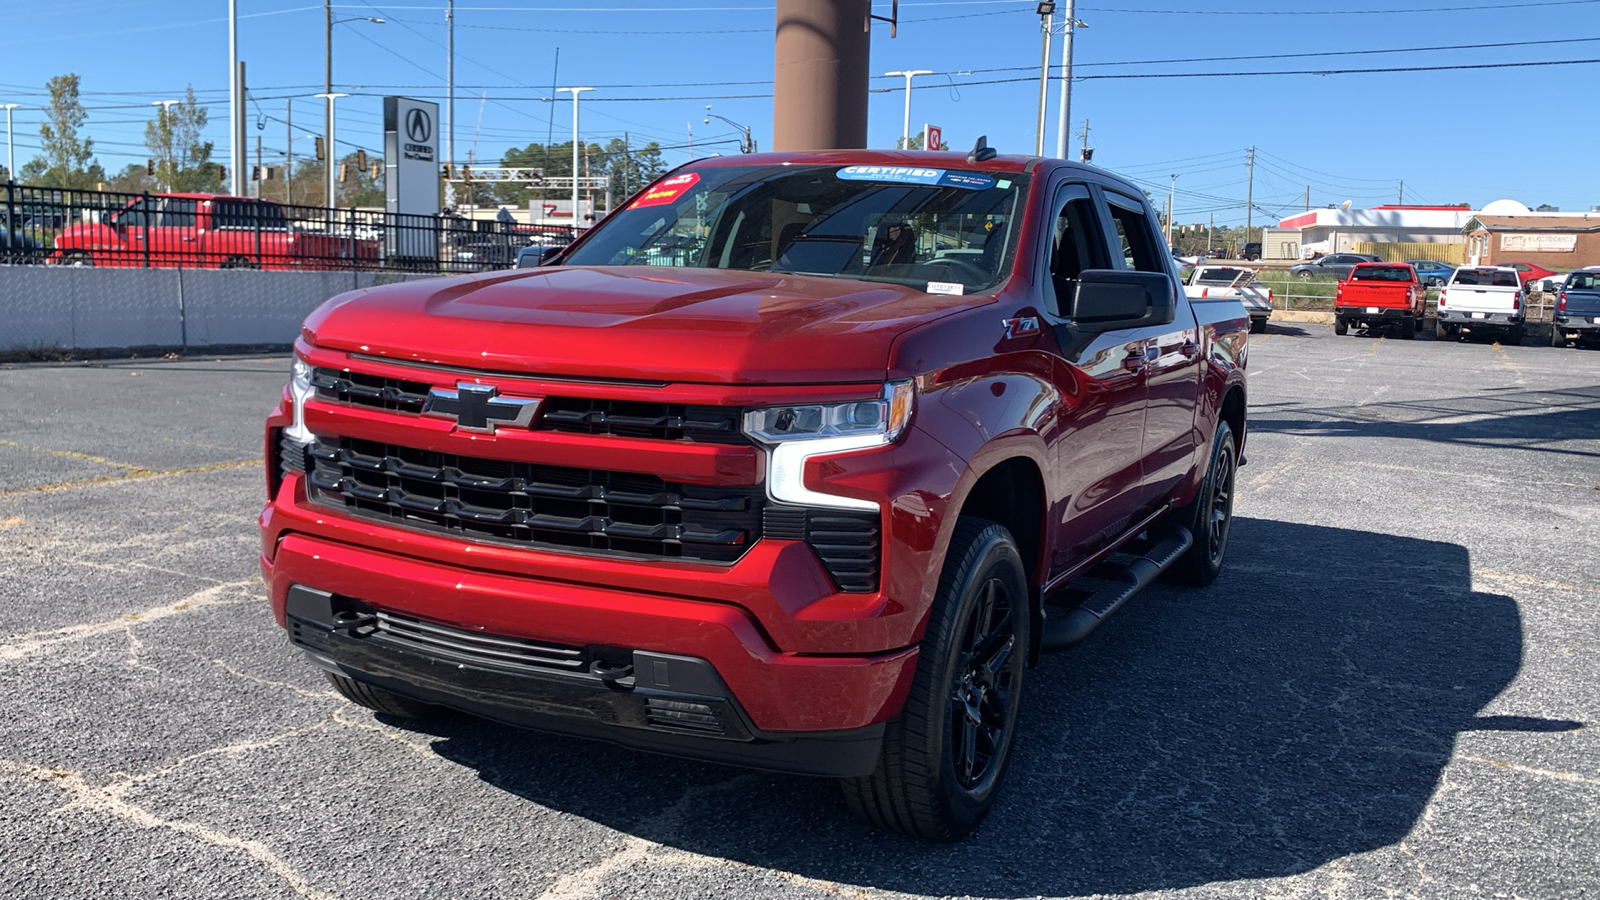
[411, 176]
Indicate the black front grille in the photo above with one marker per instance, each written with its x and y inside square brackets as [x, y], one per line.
[536, 505]
[661, 421]
[576, 415]
[849, 544]
[479, 648]
[370, 390]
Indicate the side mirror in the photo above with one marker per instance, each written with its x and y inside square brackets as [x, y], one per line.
[1109, 299]
[549, 253]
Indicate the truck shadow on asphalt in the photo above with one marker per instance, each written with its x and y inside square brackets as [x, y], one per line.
[1298, 711]
[1526, 420]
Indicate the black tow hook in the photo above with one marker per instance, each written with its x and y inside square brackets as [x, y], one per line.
[610, 674]
[357, 624]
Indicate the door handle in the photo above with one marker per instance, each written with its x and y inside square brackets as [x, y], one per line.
[1189, 349]
[1135, 362]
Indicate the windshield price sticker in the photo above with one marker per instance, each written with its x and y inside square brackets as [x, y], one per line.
[667, 191]
[914, 175]
[955, 288]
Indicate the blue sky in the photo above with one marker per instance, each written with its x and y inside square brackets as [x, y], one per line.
[1471, 135]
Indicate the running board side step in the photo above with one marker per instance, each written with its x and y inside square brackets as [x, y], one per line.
[1066, 628]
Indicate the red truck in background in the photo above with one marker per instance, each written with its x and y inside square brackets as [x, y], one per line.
[1380, 295]
[208, 231]
[796, 461]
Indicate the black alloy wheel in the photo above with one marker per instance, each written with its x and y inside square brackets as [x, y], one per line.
[981, 695]
[1219, 520]
[1210, 516]
[944, 756]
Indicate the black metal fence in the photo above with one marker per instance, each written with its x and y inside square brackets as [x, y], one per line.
[52, 226]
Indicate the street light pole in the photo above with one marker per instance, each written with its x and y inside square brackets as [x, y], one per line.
[11, 149]
[1064, 117]
[328, 152]
[575, 92]
[905, 128]
[1170, 191]
[235, 105]
[745, 146]
[1046, 10]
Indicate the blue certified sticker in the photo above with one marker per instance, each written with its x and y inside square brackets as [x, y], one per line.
[915, 175]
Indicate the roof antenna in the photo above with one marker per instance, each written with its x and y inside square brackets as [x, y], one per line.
[981, 151]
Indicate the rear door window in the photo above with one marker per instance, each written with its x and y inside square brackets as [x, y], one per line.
[1141, 252]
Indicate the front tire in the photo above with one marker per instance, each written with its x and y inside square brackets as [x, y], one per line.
[379, 700]
[1408, 329]
[1514, 336]
[1210, 517]
[944, 756]
[1341, 327]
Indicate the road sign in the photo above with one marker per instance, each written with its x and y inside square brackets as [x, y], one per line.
[932, 137]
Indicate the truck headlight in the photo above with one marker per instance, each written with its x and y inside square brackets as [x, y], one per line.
[300, 390]
[792, 435]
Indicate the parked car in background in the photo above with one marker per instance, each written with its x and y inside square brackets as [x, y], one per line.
[1217, 253]
[1251, 251]
[207, 231]
[1337, 265]
[1577, 315]
[19, 249]
[1482, 299]
[1432, 273]
[1380, 295]
[1232, 283]
[536, 255]
[1528, 271]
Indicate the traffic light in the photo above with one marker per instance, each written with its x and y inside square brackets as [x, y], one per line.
[361, 159]
[321, 151]
[444, 171]
[466, 173]
[149, 165]
[342, 167]
[222, 172]
[255, 173]
[1086, 154]
[376, 170]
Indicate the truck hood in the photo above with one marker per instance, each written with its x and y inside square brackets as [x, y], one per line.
[662, 324]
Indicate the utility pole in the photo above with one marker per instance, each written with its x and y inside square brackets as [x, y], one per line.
[11, 148]
[1046, 15]
[1065, 114]
[1173, 189]
[260, 175]
[905, 128]
[327, 93]
[236, 151]
[288, 154]
[450, 83]
[1083, 152]
[626, 171]
[1249, 196]
[1308, 198]
[575, 92]
[1401, 200]
[1211, 222]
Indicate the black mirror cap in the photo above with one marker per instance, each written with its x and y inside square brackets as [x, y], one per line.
[1112, 299]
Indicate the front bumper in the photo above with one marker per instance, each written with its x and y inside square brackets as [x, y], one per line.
[775, 699]
[1498, 319]
[659, 702]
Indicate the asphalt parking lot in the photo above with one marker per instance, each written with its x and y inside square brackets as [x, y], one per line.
[1394, 688]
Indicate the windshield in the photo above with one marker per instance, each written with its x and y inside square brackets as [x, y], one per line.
[1583, 281]
[1486, 277]
[1380, 273]
[937, 230]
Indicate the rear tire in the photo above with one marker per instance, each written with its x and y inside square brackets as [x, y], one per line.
[1258, 326]
[1408, 329]
[944, 756]
[379, 700]
[1558, 337]
[1210, 517]
[1341, 327]
[1514, 336]
[1442, 330]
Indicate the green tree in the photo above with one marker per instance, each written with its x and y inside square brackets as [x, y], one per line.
[915, 143]
[65, 160]
[182, 159]
[356, 186]
[627, 167]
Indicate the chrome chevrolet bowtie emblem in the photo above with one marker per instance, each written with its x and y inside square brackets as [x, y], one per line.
[475, 407]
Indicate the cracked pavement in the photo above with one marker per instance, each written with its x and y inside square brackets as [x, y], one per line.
[1393, 690]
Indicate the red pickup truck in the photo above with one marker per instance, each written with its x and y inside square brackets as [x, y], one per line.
[207, 231]
[1380, 295]
[797, 461]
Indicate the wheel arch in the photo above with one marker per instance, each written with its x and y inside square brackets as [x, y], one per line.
[1012, 493]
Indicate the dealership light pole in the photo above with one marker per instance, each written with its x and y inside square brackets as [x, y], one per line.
[1065, 115]
[11, 149]
[235, 105]
[575, 92]
[905, 128]
[327, 88]
[1046, 10]
[1170, 191]
[328, 153]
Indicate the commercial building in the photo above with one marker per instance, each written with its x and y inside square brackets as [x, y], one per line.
[1559, 241]
[1338, 230]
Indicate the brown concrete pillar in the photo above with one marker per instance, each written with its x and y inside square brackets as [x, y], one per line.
[819, 95]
